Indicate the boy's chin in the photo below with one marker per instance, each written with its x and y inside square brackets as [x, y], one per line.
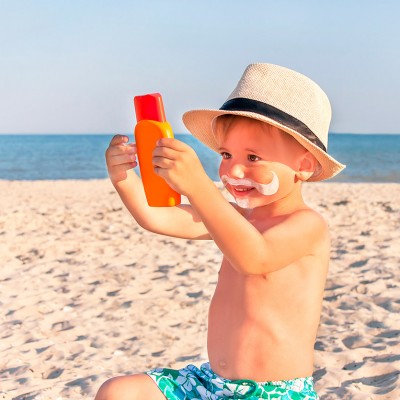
[243, 203]
[249, 203]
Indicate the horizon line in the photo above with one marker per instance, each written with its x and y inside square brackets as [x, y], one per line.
[178, 133]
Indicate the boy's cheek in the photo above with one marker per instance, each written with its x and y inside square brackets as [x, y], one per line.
[287, 181]
[221, 170]
[284, 172]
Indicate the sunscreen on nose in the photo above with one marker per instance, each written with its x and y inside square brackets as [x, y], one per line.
[152, 126]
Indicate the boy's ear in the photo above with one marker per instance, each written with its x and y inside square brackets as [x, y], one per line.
[307, 166]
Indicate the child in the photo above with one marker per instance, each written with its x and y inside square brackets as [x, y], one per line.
[263, 318]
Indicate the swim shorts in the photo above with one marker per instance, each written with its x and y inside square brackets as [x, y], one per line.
[203, 384]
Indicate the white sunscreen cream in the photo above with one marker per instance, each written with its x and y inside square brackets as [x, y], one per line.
[267, 189]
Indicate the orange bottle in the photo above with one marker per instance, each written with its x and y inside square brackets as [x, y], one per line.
[151, 126]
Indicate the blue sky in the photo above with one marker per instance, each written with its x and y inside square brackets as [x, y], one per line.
[74, 66]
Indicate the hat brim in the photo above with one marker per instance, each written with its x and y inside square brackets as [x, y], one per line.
[199, 123]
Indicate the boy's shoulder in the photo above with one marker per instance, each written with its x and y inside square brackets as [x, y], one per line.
[305, 221]
[309, 216]
[309, 226]
[303, 218]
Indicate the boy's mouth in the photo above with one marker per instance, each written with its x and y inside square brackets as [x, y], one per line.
[244, 186]
[242, 189]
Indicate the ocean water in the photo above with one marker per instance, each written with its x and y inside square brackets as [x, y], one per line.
[369, 158]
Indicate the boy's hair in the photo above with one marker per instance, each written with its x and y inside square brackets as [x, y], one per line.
[222, 123]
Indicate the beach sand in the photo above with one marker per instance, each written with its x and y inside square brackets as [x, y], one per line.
[86, 294]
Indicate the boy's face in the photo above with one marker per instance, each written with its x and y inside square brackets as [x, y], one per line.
[261, 154]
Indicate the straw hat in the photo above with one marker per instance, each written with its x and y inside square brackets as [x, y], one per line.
[280, 97]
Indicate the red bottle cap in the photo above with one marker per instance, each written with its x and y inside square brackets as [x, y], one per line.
[149, 106]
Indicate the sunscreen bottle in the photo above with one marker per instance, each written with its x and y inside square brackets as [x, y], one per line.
[152, 126]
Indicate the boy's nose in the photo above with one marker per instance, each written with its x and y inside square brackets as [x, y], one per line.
[236, 171]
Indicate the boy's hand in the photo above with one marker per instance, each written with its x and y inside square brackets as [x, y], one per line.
[178, 164]
[120, 158]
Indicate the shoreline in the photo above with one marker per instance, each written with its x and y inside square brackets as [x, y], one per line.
[327, 182]
[87, 294]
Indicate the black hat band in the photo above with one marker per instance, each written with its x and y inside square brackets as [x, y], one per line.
[258, 107]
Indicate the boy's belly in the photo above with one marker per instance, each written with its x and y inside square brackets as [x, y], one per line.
[252, 337]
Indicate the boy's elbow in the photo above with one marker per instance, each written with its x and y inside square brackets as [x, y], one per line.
[148, 226]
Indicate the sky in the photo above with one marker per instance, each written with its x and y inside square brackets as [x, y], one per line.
[74, 66]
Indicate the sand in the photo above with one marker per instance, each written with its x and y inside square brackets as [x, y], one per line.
[86, 294]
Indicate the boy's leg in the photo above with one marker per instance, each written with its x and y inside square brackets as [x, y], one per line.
[130, 387]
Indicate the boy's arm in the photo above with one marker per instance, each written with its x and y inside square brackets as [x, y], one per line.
[247, 249]
[180, 221]
[253, 252]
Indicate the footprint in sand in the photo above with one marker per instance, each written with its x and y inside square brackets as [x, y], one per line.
[355, 342]
[31, 256]
[384, 383]
[358, 264]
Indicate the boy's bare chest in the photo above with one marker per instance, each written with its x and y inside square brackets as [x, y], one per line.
[232, 281]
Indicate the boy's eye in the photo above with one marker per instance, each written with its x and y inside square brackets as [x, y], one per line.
[252, 157]
[225, 155]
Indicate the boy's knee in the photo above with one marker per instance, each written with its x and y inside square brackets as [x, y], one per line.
[130, 387]
[111, 389]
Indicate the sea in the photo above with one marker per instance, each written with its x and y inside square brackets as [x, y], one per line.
[369, 157]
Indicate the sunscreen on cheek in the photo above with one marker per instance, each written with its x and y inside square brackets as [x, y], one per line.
[152, 126]
[269, 188]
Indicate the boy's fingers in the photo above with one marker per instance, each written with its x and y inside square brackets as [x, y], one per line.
[119, 139]
[161, 162]
[122, 159]
[165, 152]
[172, 143]
[124, 167]
[120, 149]
[123, 148]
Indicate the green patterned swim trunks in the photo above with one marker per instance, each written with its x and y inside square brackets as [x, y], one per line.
[203, 384]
